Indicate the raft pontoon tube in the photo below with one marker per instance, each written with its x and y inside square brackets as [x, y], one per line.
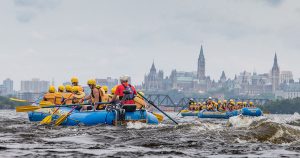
[189, 113]
[251, 111]
[94, 117]
[217, 114]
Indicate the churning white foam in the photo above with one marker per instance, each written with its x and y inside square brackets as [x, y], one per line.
[140, 125]
[243, 121]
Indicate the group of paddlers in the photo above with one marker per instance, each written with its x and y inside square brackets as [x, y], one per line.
[74, 94]
[219, 105]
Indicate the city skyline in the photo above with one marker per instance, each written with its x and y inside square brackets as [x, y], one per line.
[200, 70]
[59, 39]
[200, 55]
[277, 83]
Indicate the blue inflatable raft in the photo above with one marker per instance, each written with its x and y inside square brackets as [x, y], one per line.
[94, 117]
[217, 114]
[251, 111]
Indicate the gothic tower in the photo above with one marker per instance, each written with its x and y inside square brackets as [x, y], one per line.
[275, 75]
[201, 65]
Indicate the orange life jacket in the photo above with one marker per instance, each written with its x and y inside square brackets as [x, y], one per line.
[58, 98]
[78, 98]
[67, 97]
[139, 102]
[50, 97]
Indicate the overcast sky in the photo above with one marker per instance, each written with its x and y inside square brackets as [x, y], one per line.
[95, 39]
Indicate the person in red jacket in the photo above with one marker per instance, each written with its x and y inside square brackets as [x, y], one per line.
[127, 98]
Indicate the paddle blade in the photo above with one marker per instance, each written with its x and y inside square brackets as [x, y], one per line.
[46, 120]
[61, 119]
[46, 103]
[18, 100]
[26, 108]
[159, 117]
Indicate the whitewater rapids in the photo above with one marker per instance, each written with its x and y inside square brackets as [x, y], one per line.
[266, 136]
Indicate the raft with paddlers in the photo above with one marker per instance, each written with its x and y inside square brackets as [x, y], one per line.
[217, 114]
[185, 113]
[96, 108]
[110, 117]
[114, 114]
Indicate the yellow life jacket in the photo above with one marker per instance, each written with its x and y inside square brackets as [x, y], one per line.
[78, 98]
[103, 98]
[67, 97]
[139, 102]
[58, 98]
[50, 97]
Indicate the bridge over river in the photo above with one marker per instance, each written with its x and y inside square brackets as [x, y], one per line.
[166, 102]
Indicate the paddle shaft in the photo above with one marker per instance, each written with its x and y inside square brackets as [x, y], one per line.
[150, 102]
[32, 108]
[182, 109]
[71, 110]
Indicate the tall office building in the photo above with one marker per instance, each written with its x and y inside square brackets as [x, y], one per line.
[9, 86]
[35, 86]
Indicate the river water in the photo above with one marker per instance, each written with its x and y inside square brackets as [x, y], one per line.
[267, 136]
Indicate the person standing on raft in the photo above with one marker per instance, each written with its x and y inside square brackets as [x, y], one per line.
[124, 86]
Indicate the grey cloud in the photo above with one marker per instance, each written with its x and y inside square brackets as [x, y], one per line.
[24, 17]
[26, 10]
[274, 3]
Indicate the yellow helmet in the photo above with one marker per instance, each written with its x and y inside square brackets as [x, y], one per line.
[245, 103]
[68, 88]
[98, 86]
[251, 103]
[61, 88]
[113, 90]
[105, 88]
[51, 89]
[91, 82]
[219, 102]
[74, 80]
[75, 89]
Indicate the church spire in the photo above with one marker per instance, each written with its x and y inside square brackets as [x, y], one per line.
[275, 64]
[201, 65]
[275, 75]
[201, 55]
[153, 69]
[223, 75]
